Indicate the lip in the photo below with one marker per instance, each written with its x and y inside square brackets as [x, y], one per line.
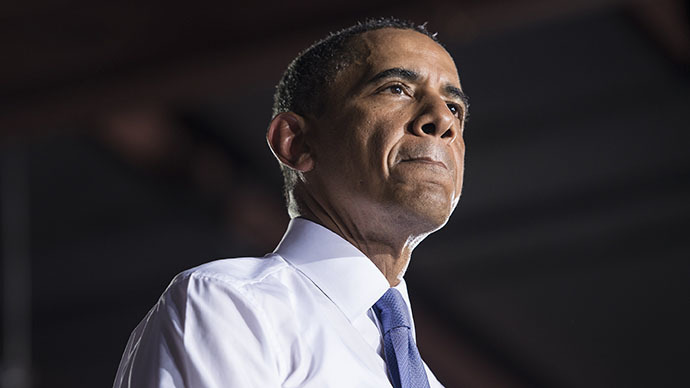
[425, 160]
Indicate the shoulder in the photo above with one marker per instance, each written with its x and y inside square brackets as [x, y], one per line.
[238, 272]
[211, 317]
[224, 295]
[249, 279]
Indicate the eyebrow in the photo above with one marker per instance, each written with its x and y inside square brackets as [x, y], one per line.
[395, 72]
[411, 75]
[458, 94]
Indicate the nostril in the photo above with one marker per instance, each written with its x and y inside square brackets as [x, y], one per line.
[428, 128]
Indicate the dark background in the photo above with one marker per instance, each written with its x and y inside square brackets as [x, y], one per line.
[132, 144]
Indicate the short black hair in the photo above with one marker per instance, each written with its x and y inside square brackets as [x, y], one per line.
[304, 84]
[304, 87]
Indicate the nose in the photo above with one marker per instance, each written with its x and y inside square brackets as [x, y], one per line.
[436, 119]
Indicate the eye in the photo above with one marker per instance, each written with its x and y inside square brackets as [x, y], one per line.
[455, 110]
[395, 89]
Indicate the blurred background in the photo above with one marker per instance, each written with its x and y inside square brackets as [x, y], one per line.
[132, 147]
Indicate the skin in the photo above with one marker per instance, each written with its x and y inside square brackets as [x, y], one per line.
[382, 166]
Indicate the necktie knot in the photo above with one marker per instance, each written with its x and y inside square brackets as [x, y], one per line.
[392, 311]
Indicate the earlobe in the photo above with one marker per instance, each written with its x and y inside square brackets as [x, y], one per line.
[286, 137]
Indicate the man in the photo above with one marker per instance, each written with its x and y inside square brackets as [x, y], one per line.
[367, 127]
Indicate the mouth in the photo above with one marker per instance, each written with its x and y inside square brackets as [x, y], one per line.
[425, 160]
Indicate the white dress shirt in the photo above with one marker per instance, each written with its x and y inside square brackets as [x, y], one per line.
[298, 317]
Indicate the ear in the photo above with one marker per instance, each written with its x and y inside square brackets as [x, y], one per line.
[286, 137]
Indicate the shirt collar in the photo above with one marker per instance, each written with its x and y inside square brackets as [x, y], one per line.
[340, 270]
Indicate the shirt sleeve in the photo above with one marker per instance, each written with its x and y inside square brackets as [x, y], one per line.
[202, 333]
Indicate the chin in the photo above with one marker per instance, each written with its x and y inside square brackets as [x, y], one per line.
[421, 208]
[435, 220]
[427, 214]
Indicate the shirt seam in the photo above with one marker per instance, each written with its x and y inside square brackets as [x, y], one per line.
[200, 273]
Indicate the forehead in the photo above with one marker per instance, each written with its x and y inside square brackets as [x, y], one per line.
[388, 48]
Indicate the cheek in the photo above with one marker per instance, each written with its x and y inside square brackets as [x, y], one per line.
[459, 148]
[389, 128]
[459, 154]
[377, 148]
[370, 135]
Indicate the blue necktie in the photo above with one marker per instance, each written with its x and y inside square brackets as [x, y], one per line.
[405, 366]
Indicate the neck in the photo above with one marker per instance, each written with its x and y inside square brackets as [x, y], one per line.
[388, 249]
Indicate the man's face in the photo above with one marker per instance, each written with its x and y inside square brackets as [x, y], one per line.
[388, 147]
